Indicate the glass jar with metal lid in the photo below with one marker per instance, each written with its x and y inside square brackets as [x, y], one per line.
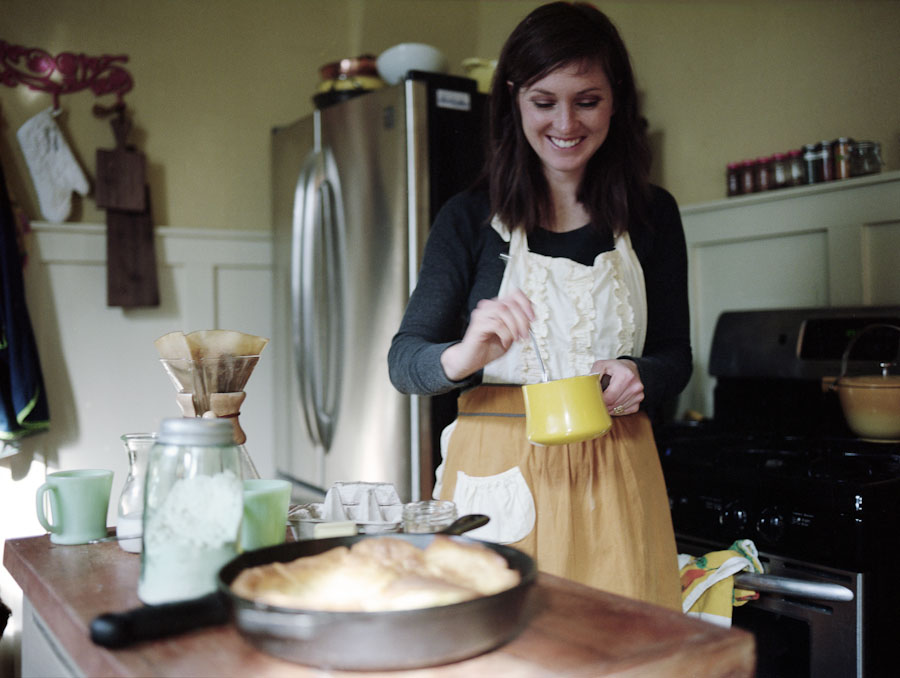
[193, 505]
[865, 158]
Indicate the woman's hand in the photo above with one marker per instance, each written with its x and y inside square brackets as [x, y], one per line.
[625, 391]
[493, 327]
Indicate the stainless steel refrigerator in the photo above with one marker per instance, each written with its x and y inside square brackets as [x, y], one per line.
[355, 189]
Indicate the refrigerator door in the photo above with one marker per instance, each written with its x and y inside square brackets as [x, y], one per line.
[347, 282]
[356, 187]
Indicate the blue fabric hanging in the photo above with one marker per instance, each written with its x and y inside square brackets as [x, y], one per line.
[23, 398]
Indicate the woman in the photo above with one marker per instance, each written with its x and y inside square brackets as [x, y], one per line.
[596, 268]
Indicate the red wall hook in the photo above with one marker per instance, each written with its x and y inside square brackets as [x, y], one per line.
[64, 73]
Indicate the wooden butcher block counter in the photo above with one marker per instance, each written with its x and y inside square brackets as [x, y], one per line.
[577, 631]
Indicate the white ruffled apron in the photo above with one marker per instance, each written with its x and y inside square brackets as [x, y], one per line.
[545, 499]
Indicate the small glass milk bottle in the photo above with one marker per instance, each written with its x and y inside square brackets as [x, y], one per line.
[129, 522]
[193, 504]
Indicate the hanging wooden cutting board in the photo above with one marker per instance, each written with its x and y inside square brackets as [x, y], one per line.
[131, 279]
[121, 173]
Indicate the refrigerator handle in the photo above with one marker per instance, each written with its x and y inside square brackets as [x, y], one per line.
[304, 210]
[328, 266]
[316, 299]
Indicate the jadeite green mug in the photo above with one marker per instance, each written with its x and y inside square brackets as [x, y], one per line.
[265, 513]
[79, 501]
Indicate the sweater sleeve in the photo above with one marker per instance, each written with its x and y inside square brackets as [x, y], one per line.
[666, 363]
[456, 271]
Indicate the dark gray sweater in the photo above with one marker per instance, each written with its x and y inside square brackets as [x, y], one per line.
[462, 265]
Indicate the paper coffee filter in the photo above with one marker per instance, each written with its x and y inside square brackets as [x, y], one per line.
[173, 346]
[222, 343]
[209, 361]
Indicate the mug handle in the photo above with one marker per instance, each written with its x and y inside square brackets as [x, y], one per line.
[54, 507]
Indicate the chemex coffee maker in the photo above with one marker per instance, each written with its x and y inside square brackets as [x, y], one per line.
[210, 369]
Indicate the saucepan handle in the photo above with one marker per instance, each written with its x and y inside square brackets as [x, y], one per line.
[121, 629]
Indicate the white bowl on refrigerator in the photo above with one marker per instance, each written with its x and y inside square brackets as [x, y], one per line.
[395, 62]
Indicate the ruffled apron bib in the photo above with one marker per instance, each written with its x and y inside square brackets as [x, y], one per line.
[597, 511]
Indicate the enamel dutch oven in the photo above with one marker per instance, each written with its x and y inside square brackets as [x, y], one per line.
[366, 641]
[871, 403]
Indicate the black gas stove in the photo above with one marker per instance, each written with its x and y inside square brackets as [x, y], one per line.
[777, 464]
[825, 500]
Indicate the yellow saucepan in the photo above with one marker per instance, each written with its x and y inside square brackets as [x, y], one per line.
[565, 410]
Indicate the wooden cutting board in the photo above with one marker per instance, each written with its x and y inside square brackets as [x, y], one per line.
[121, 188]
[121, 174]
[131, 279]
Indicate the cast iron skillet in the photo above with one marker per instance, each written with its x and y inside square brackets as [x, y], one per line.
[370, 641]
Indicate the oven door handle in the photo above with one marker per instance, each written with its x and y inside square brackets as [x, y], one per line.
[799, 588]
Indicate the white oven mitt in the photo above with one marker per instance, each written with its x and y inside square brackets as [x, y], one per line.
[53, 167]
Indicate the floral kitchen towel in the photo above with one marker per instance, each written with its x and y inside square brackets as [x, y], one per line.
[54, 169]
[707, 582]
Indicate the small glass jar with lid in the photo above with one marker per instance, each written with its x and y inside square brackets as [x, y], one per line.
[428, 516]
[865, 158]
[193, 505]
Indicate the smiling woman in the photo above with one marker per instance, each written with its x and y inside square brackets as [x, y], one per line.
[565, 118]
[594, 267]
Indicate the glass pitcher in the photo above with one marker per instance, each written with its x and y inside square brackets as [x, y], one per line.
[131, 502]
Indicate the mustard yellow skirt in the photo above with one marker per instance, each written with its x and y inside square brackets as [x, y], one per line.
[597, 512]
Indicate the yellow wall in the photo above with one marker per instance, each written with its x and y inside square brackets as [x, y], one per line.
[722, 80]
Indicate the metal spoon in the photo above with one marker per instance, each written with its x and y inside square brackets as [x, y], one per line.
[544, 375]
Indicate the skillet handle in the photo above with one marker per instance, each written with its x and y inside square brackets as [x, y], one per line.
[465, 523]
[121, 629]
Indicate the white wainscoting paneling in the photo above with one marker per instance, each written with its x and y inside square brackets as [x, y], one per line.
[100, 366]
[101, 369]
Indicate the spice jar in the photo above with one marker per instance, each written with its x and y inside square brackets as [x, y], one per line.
[797, 174]
[763, 169]
[780, 171]
[428, 516]
[748, 177]
[812, 164]
[840, 151]
[193, 504]
[733, 178]
[825, 158]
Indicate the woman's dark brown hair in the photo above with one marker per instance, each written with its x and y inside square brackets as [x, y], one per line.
[615, 184]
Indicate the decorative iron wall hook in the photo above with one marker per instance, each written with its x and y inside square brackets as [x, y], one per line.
[64, 73]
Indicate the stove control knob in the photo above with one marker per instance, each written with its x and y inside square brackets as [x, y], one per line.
[734, 519]
[770, 525]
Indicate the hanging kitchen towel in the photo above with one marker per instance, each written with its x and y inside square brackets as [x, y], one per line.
[54, 169]
[707, 582]
[23, 399]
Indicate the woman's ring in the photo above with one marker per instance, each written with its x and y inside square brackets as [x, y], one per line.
[618, 409]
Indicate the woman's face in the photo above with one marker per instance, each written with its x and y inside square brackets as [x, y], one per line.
[565, 117]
